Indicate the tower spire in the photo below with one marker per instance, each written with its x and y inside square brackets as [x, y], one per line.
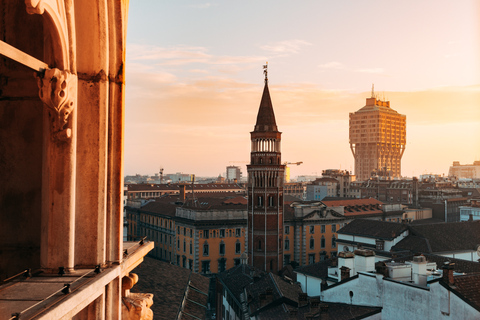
[373, 92]
[265, 72]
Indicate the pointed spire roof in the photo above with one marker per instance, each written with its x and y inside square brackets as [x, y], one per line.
[266, 116]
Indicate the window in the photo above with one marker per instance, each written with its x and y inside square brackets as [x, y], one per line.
[322, 229]
[380, 244]
[311, 258]
[287, 229]
[205, 249]
[237, 232]
[184, 231]
[222, 264]
[184, 246]
[205, 266]
[178, 260]
[312, 229]
[334, 228]
[312, 243]
[259, 244]
[205, 234]
[191, 233]
[270, 201]
[184, 261]
[178, 230]
[260, 201]
[191, 247]
[238, 247]
[222, 233]
[322, 242]
[190, 264]
[286, 259]
[222, 248]
[178, 244]
[287, 244]
[334, 242]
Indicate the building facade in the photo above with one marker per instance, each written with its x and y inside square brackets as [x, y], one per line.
[61, 140]
[265, 190]
[234, 174]
[465, 171]
[377, 139]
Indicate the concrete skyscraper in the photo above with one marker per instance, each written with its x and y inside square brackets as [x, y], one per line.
[265, 190]
[377, 139]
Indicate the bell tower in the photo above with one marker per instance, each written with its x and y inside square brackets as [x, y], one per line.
[265, 190]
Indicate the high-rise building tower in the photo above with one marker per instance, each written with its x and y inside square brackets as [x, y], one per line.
[377, 139]
[265, 190]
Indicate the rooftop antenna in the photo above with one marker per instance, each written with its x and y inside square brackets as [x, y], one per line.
[373, 92]
[265, 72]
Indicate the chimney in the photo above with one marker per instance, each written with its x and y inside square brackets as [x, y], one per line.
[314, 305]
[419, 270]
[302, 299]
[182, 193]
[344, 273]
[324, 312]
[448, 272]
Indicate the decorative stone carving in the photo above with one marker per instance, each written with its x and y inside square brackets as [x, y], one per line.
[58, 90]
[35, 6]
[135, 306]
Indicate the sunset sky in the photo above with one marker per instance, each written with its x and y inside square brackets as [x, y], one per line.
[194, 80]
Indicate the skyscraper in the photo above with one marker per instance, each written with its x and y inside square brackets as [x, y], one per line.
[265, 190]
[377, 139]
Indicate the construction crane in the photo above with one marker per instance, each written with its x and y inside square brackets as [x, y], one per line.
[287, 169]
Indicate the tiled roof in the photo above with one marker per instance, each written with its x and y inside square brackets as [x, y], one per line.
[356, 207]
[168, 284]
[175, 186]
[461, 266]
[318, 270]
[165, 206]
[373, 229]
[442, 237]
[469, 288]
[236, 278]
[266, 116]
[351, 202]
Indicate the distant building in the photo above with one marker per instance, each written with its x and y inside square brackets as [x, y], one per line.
[321, 188]
[377, 139]
[465, 171]
[205, 233]
[234, 174]
[470, 212]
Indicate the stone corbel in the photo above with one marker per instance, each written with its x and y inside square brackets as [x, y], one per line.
[135, 306]
[58, 91]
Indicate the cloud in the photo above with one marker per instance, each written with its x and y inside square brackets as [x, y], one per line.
[201, 5]
[286, 47]
[332, 65]
[371, 70]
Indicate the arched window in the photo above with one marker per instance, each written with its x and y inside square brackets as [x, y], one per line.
[259, 244]
[312, 243]
[205, 249]
[287, 244]
[221, 249]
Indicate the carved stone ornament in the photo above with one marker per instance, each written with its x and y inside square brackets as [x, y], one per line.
[137, 306]
[58, 90]
[34, 6]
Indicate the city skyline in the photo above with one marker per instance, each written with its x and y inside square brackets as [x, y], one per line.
[194, 81]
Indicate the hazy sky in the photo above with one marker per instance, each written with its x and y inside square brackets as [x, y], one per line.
[194, 80]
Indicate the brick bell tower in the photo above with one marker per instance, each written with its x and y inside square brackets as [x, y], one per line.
[265, 190]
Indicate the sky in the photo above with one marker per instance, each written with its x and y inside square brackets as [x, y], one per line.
[194, 80]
